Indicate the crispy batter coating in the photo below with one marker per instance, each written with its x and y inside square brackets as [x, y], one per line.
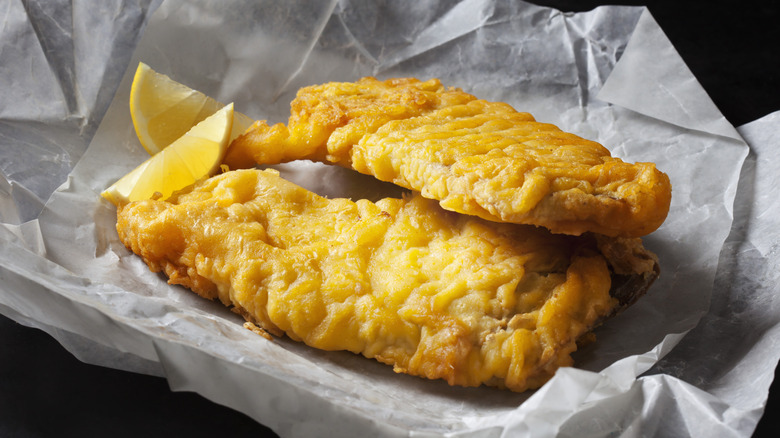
[434, 293]
[475, 157]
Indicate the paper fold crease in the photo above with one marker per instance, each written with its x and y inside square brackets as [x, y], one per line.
[640, 79]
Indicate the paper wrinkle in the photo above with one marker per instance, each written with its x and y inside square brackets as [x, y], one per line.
[60, 64]
[23, 60]
[537, 59]
[745, 309]
[593, 58]
[8, 211]
[744, 317]
[51, 22]
[462, 19]
[319, 28]
[27, 236]
[762, 177]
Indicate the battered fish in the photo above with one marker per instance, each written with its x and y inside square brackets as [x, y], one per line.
[433, 293]
[475, 157]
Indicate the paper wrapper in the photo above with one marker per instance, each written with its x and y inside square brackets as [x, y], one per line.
[693, 357]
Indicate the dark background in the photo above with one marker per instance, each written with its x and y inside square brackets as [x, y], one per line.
[731, 47]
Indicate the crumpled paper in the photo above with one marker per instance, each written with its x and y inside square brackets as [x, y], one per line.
[677, 363]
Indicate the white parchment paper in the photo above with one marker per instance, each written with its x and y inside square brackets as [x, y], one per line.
[610, 75]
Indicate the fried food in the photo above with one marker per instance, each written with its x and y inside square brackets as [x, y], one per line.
[475, 157]
[433, 293]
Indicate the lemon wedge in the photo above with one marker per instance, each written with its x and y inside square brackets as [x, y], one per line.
[163, 109]
[195, 155]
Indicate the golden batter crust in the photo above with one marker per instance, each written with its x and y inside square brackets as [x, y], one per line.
[475, 157]
[433, 293]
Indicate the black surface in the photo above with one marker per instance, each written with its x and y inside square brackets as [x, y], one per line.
[46, 392]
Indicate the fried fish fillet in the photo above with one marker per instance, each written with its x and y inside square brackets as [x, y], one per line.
[433, 293]
[475, 157]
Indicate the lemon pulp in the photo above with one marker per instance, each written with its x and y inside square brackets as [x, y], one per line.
[196, 154]
[163, 109]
